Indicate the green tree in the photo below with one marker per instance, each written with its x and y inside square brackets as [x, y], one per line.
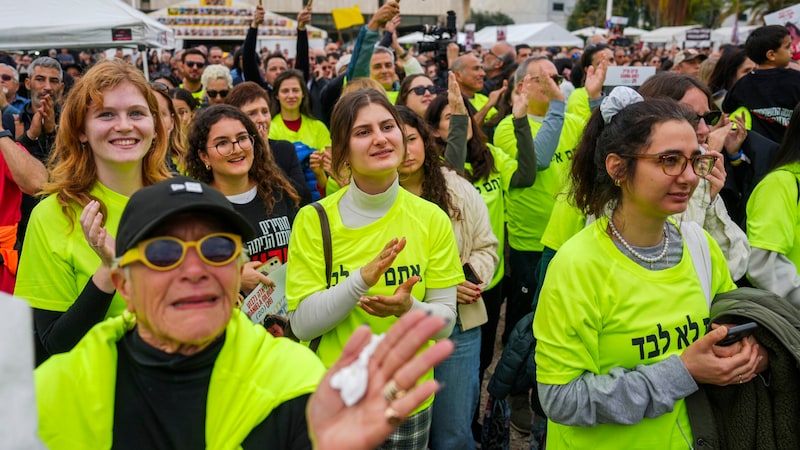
[588, 13]
[758, 8]
[485, 18]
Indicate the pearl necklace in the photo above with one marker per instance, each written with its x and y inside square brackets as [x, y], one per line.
[636, 254]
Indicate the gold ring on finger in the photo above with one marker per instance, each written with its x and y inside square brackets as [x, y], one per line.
[393, 418]
[392, 392]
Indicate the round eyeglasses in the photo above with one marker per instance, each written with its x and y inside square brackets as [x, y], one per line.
[226, 147]
[674, 164]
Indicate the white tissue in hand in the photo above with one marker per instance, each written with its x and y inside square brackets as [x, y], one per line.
[351, 381]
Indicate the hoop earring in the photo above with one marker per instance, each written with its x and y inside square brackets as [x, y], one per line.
[616, 182]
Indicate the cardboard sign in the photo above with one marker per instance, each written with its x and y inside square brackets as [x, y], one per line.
[628, 75]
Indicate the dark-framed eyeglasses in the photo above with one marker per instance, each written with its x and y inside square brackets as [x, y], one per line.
[558, 79]
[711, 118]
[673, 164]
[193, 64]
[214, 94]
[420, 90]
[226, 147]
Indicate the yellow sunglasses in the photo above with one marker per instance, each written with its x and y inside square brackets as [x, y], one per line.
[166, 252]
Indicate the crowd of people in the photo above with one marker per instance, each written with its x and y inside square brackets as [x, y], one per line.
[410, 197]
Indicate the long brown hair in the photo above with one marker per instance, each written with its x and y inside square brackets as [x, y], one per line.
[270, 181]
[344, 116]
[434, 184]
[73, 172]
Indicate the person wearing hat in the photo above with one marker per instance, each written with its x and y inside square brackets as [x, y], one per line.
[687, 62]
[183, 368]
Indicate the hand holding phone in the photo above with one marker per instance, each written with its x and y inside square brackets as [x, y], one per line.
[737, 333]
[470, 275]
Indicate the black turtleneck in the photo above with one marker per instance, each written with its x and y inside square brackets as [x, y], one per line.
[160, 402]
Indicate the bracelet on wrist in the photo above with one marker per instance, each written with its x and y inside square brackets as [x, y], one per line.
[402, 55]
[735, 157]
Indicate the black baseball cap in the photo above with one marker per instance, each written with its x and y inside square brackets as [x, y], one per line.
[149, 207]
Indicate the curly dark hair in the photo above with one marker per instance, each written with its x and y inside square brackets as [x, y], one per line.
[272, 184]
[478, 154]
[434, 185]
[629, 132]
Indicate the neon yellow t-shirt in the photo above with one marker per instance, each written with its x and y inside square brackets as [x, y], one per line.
[578, 103]
[599, 310]
[479, 101]
[566, 220]
[312, 132]
[493, 190]
[529, 208]
[431, 253]
[57, 261]
[773, 212]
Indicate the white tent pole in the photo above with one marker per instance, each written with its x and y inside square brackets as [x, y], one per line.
[609, 8]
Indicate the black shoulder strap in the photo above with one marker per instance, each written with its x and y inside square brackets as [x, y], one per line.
[326, 241]
[328, 252]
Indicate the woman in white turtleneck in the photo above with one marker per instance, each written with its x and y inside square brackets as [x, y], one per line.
[391, 250]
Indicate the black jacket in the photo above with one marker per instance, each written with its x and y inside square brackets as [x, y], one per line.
[763, 412]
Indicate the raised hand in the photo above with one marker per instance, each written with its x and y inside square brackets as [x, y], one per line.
[390, 305]
[396, 359]
[372, 272]
[96, 235]
[454, 97]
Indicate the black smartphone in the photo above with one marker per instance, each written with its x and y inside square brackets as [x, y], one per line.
[470, 275]
[737, 333]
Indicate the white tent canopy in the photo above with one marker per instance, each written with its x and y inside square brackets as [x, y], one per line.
[541, 34]
[590, 31]
[39, 24]
[724, 35]
[667, 34]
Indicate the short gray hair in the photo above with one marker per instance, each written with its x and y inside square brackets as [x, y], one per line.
[13, 71]
[382, 49]
[522, 69]
[216, 72]
[48, 62]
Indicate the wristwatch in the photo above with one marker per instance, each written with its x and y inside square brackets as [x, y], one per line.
[6, 133]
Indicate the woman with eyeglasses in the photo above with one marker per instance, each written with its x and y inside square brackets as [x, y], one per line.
[228, 153]
[254, 100]
[391, 251]
[293, 122]
[416, 92]
[171, 122]
[715, 135]
[217, 82]
[423, 174]
[622, 318]
[110, 144]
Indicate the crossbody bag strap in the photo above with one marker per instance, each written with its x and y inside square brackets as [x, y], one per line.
[328, 252]
[700, 252]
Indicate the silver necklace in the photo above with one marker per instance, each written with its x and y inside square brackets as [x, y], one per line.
[636, 254]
